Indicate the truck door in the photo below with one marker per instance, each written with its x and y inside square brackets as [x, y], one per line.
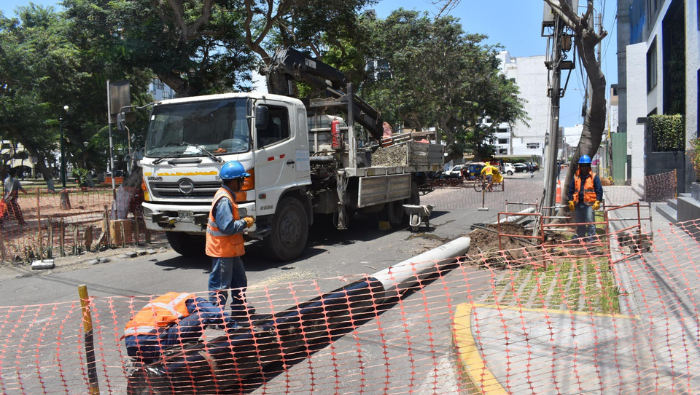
[275, 162]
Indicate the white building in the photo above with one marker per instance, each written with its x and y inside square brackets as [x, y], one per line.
[15, 156]
[160, 91]
[658, 73]
[530, 74]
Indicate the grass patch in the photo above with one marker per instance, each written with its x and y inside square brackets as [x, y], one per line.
[580, 285]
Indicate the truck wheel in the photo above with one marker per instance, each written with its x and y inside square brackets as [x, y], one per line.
[290, 228]
[395, 213]
[185, 244]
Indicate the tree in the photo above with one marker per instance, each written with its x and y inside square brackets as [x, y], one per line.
[47, 63]
[195, 47]
[315, 25]
[586, 40]
[439, 75]
[34, 58]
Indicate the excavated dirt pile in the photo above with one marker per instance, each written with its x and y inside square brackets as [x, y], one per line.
[486, 251]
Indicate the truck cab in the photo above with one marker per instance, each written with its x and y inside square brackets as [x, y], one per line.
[188, 141]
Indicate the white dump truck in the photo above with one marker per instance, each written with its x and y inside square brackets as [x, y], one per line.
[302, 162]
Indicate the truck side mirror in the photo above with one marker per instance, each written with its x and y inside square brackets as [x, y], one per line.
[261, 115]
[121, 121]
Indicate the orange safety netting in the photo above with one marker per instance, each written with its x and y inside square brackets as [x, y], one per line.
[65, 223]
[489, 322]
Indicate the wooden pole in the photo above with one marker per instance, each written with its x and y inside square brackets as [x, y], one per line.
[137, 237]
[50, 247]
[76, 242]
[38, 224]
[108, 241]
[93, 384]
[62, 237]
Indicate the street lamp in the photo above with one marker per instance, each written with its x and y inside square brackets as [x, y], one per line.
[63, 154]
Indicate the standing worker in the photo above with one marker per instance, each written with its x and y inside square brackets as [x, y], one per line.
[169, 320]
[488, 171]
[225, 242]
[585, 195]
[11, 189]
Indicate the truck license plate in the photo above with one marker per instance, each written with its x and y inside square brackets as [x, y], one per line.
[184, 216]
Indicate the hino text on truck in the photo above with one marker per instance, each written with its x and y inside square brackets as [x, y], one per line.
[303, 160]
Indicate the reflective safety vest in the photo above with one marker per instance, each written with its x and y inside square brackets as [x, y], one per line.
[160, 313]
[220, 245]
[589, 195]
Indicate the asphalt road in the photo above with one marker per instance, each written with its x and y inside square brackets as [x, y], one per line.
[333, 259]
[331, 253]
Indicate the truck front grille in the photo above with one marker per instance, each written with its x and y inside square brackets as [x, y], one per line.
[199, 190]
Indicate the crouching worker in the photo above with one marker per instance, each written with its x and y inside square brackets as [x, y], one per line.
[170, 320]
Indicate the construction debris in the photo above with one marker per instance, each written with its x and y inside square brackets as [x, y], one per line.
[394, 155]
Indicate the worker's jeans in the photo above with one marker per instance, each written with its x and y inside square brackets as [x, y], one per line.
[227, 273]
[584, 214]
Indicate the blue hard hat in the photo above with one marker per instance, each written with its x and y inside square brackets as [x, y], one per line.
[584, 160]
[232, 170]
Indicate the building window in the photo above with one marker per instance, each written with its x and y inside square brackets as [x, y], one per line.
[166, 95]
[652, 72]
[502, 141]
[533, 145]
[503, 151]
[158, 84]
[505, 130]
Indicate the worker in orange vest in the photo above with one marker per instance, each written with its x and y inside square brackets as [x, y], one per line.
[168, 320]
[225, 243]
[585, 195]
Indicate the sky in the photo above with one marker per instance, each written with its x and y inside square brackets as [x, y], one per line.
[515, 24]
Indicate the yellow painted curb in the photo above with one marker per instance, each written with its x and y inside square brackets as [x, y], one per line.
[474, 367]
[555, 311]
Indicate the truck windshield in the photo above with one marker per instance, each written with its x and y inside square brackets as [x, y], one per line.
[220, 127]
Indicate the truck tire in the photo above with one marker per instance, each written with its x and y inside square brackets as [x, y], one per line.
[290, 229]
[186, 244]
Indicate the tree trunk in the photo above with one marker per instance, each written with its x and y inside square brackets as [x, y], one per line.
[594, 125]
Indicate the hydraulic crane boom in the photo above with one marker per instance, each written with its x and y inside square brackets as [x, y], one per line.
[289, 65]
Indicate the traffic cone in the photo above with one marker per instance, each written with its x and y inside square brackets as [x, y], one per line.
[558, 196]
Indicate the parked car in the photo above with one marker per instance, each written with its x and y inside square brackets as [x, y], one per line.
[454, 172]
[520, 167]
[534, 166]
[509, 168]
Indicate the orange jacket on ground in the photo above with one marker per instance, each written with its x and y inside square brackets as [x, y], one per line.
[162, 312]
[220, 245]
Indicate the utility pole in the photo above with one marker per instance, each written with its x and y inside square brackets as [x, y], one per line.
[551, 142]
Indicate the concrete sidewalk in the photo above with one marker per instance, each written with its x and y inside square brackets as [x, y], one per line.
[528, 351]
[652, 347]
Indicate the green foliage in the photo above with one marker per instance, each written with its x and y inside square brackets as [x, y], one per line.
[49, 62]
[694, 154]
[191, 52]
[80, 175]
[438, 75]
[668, 132]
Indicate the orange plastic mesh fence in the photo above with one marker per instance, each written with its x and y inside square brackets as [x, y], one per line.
[493, 322]
[49, 226]
[660, 187]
